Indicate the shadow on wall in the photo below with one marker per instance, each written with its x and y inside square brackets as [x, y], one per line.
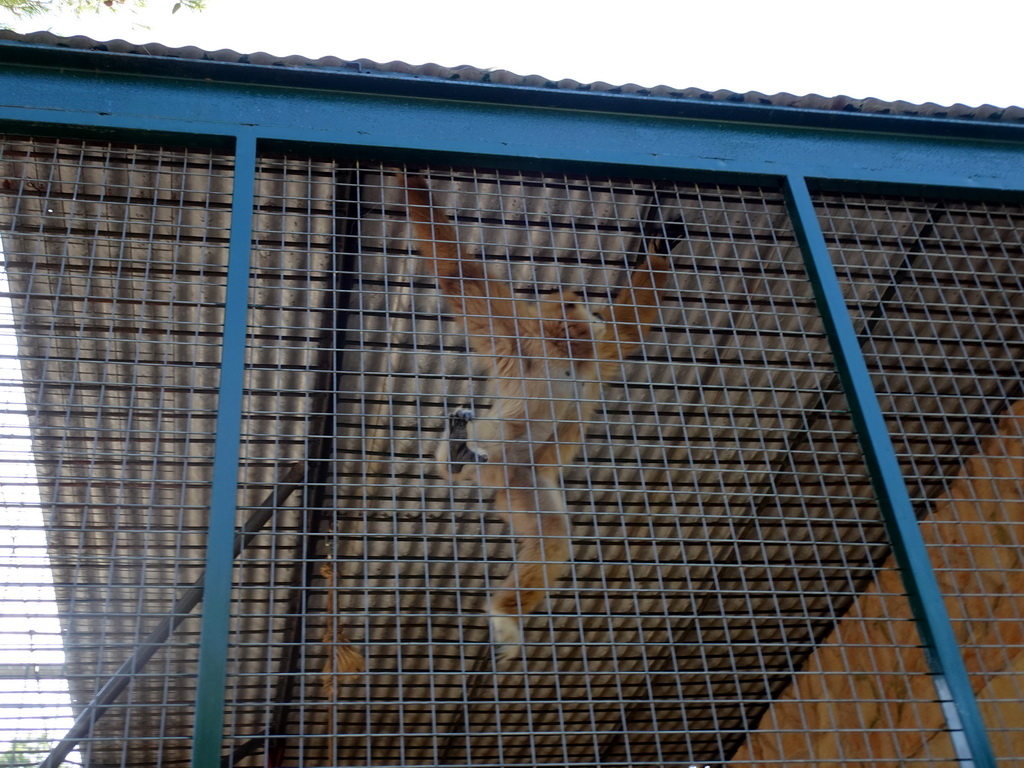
[976, 540]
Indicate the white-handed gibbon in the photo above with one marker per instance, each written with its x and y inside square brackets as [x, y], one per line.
[547, 360]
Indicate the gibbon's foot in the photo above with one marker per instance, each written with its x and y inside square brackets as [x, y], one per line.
[344, 661]
[507, 636]
[348, 664]
[459, 452]
[348, 661]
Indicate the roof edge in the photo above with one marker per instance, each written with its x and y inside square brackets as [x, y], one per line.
[487, 86]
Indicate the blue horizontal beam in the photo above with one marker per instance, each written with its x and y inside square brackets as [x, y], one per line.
[496, 133]
[353, 77]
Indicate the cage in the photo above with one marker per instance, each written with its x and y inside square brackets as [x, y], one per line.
[230, 373]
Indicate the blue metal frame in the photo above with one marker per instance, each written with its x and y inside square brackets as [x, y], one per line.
[762, 147]
[52, 91]
[220, 546]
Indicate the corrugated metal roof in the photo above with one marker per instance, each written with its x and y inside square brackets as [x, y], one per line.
[503, 77]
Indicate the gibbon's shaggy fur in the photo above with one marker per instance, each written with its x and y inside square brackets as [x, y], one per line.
[547, 360]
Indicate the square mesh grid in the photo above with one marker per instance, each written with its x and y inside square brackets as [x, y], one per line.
[725, 540]
[938, 292]
[115, 260]
[722, 519]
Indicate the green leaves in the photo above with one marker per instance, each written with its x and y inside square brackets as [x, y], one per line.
[36, 7]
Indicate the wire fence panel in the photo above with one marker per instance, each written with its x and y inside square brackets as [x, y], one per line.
[513, 490]
[939, 293]
[114, 257]
[289, 412]
[721, 517]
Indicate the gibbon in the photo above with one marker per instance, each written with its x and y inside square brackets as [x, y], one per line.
[547, 360]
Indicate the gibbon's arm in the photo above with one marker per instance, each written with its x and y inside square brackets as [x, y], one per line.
[486, 307]
[635, 309]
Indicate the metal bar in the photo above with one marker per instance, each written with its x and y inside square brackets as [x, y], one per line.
[248, 748]
[372, 122]
[213, 641]
[967, 730]
[358, 79]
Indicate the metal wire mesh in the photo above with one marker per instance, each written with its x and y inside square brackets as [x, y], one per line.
[938, 292]
[724, 534]
[115, 260]
[722, 521]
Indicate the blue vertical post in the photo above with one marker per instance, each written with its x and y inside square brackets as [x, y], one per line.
[213, 640]
[970, 739]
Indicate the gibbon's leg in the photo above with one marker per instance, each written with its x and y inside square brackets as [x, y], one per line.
[534, 507]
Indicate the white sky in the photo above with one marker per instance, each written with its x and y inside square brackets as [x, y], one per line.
[910, 50]
[29, 631]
